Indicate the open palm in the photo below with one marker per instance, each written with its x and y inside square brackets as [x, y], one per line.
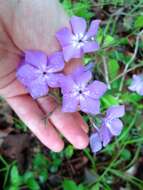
[28, 24]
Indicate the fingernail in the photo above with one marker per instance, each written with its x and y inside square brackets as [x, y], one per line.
[57, 147]
[81, 142]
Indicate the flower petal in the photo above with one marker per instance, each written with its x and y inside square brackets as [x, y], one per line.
[138, 77]
[36, 58]
[137, 84]
[89, 105]
[71, 51]
[82, 77]
[67, 84]
[115, 112]
[38, 88]
[93, 29]
[96, 89]
[56, 62]
[95, 142]
[79, 70]
[105, 135]
[26, 73]
[90, 47]
[140, 90]
[64, 36]
[78, 25]
[70, 103]
[53, 80]
[116, 127]
[90, 66]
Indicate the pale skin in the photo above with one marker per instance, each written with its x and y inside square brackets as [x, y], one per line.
[31, 24]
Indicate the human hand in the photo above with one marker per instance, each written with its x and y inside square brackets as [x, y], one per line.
[24, 25]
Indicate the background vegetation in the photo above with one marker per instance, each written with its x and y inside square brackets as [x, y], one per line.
[28, 165]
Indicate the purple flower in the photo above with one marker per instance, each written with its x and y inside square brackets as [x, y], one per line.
[137, 84]
[111, 126]
[37, 72]
[79, 93]
[79, 41]
[95, 142]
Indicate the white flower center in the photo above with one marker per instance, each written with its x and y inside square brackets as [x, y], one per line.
[78, 40]
[43, 73]
[78, 90]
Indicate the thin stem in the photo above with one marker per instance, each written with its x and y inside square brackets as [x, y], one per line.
[131, 60]
[129, 70]
[134, 158]
[90, 158]
[127, 177]
[3, 161]
[134, 141]
[3, 169]
[117, 155]
[110, 165]
[106, 72]
[92, 122]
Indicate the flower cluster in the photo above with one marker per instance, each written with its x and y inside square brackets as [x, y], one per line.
[39, 72]
[111, 126]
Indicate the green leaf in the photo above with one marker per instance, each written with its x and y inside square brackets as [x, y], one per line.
[108, 40]
[139, 22]
[27, 175]
[109, 149]
[13, 187]
[81, 187]
[15, 176]
[43, 176]
[40, 161]
[67, 6]
[113, 68]
[109, 100]
[69, 185]
[69, 151]
[118, 56]
[126, 154]
[131, 97]
[29, 180]
[82, 8]
[32, 184]
[96, 187]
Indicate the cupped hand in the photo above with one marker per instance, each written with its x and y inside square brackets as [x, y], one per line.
[31, 25]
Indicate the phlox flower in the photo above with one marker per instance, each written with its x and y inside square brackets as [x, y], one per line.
[38, 72]
[79, 93]
[111, 126]
[78, 41]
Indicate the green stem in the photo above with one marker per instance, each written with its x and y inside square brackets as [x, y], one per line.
[90, 158]
[118, 154]
[3, 161]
